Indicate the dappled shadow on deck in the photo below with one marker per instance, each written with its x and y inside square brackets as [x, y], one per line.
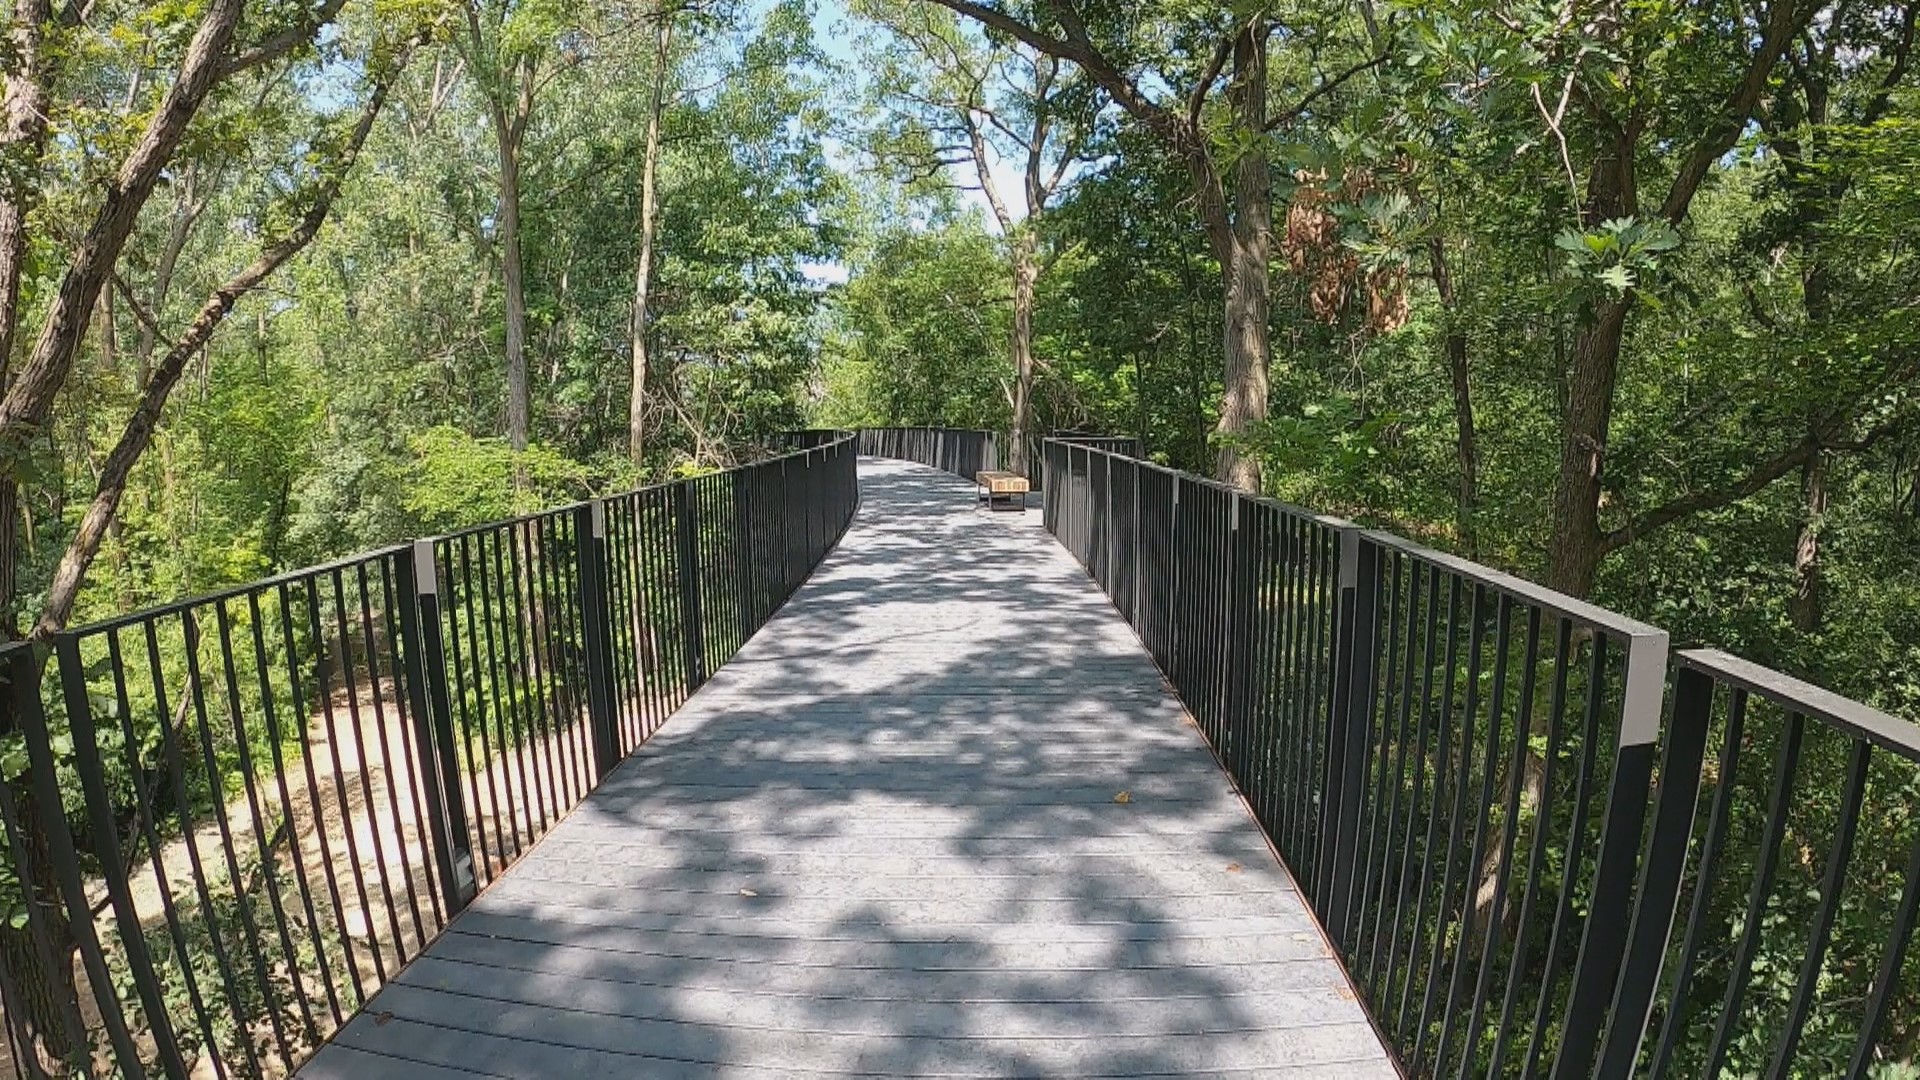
[885, 840]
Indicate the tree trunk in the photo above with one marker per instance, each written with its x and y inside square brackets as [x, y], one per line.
[1574, 549]
[1026, 275]
[1806, 607]
[44, 997]
[22, 141]
[643, 265]
[1466, 442]
[44, 1018]
[508, 130]
[1575, 545]
[1248, 300]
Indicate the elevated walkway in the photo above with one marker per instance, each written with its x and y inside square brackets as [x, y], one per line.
[940, 817]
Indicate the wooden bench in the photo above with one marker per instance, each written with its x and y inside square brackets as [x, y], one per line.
[999, 490]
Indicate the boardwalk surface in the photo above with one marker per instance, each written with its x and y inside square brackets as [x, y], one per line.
[885, 841]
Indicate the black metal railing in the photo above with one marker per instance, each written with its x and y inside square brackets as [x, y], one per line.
[959, 451]
[1459, 767]
[806, 438]
[244, 813]
[1124, 445]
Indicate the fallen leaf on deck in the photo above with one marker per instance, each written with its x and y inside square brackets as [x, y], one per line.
[1123, 798]
[748, 892]
[1233, 868]
[380, 1019]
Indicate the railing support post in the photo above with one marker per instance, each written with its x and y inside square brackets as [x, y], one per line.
[1597, 973]
[596, 629]
[686, 534]
[1243, 597]
[1349, 722]
[743, 556]
[1656, 904]
[428, 701]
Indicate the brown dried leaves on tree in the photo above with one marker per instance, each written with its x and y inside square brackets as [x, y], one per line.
[1312, 242]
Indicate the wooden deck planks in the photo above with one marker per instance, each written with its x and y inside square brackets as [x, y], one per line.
[885, 841]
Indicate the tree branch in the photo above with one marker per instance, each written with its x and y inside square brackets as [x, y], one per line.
[1782, 24]
[1327, 86]
[280, 44]
[1076, 47]
[1755, 480]
[1197, 99]
[140, 427]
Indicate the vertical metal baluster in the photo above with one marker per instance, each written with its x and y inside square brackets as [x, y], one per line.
[1565, 917]
[1510, 831]
[1542, 833]
[1779, 802]
[98, 803]
[459, 604]
[470, 603]
[1444, 785]
[1265, 680]
[1288, 701]
[411, 760]
[386, 760]
[493, 763]
[315, 799]
[517, 726]
[236, 711]
[1832, 882]
[569, 644]
[1887, 976]
[341, 610]
[531, 630]
[196, 684]
[144, 815]
[633, 536]
[1381, 703]
[1392, 876]
[1417, 806]
[1322, 614]
[535, 627]
[1490, 767]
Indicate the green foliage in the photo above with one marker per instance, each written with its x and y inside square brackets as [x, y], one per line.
[458, 479]
[920, 333]
[1617, 256]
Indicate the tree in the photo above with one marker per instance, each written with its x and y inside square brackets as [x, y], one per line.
[513, 51]
[638, 344]
[1232, 183]
[959, 103]
[219, 52]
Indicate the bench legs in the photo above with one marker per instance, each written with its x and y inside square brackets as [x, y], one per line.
[1002, 500]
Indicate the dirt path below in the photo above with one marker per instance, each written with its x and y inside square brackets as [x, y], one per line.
[347, 826]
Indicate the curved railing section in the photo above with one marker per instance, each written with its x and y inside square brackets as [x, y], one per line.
[244, 813]
[1497, 798]
[960, 451]
[964, 451]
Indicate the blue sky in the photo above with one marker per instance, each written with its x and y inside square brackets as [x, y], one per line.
[836, 36]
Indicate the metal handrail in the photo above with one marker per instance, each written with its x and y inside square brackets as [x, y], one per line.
[1416, 730]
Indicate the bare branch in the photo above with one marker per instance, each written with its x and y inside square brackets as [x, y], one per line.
[277, 45]
[1197, 98]
[1327, 86]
